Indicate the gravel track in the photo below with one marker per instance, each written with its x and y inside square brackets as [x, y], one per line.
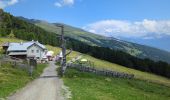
[47, 87]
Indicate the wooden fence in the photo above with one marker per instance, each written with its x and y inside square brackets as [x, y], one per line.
[103, 72]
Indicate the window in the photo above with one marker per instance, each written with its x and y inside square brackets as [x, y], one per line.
[32, 51]
[37, 51]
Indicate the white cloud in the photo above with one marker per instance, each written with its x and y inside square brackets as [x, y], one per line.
[62, 3]
[5, 3]
[146, 29]
[58, 4]
[12, 2]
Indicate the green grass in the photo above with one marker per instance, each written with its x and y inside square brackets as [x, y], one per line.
[85, 86]
[4, 40]
[111, 66]
[145, 86]
[12, 79]
[138, 74]
[57, 50]
[107, 65]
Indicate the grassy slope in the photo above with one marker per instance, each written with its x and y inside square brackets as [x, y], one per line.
[94, 39]
[146, 86]
[11, 79]
[107, 65]
[85, 86]
[71, 32]
[138, 74]
[98, 89]
[57, 50]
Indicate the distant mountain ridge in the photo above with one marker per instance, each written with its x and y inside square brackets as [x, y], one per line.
[92, 39]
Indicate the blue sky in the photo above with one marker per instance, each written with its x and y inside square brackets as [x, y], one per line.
[143, 20]
[83, 12]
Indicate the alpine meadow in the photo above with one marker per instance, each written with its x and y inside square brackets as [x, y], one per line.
[84, 50]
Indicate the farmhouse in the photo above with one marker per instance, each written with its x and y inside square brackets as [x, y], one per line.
[31, 49]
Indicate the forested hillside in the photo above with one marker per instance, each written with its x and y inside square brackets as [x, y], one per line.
[14, 27]
[24, 30]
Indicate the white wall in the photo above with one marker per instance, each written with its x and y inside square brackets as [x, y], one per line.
[38, 54]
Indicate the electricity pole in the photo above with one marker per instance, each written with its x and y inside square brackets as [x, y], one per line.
[63, 46]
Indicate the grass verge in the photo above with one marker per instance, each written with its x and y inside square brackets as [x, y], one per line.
[86, 86]
[12, 79]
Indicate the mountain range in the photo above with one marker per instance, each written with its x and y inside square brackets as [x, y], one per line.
[161, 43]
[134, 49]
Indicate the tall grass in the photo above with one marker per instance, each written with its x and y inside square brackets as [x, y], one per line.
[11, 79]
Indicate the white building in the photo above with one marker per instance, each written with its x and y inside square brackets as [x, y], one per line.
[32, 49]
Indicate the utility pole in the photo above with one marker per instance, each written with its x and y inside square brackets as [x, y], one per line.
[63, 46]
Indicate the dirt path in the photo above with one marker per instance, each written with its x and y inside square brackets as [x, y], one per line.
[47, 87]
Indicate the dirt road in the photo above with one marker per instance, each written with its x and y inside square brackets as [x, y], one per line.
[47, 87]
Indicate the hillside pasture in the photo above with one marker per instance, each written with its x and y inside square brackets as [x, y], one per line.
[106, 65]
[87, 86]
